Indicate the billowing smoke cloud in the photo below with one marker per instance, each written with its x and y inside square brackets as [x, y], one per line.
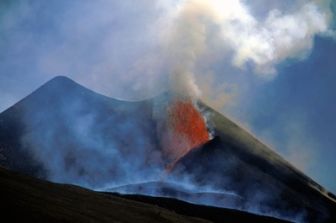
[130, 50]
[264, 42]
[204, 34]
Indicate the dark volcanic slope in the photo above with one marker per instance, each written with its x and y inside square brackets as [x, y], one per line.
[214, 214]
[67, 133]
[25, 199]
[70, 133]
[236, 161]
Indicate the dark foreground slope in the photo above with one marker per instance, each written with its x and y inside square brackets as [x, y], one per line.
[214, 214]
[25, 199]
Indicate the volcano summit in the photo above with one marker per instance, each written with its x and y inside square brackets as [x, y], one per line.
[164, 146]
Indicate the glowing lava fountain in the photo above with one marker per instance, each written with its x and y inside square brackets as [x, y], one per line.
[185, 129]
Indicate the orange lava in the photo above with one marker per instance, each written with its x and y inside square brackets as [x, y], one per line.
[186, 129]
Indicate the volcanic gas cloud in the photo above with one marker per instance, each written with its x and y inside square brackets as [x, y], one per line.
[185, 129]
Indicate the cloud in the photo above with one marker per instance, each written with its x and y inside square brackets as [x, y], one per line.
[130, 50]
[264, 42]
[109, 46]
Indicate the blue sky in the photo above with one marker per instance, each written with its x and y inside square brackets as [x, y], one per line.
[119, 48]
[299, 105]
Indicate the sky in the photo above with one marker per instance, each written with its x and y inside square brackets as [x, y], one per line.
[269, 65]
[295, 112]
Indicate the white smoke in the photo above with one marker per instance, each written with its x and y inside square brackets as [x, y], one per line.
[133, 50]
[262, 42]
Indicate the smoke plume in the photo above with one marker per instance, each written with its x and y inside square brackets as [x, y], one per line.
[133, 50]
[261, 42]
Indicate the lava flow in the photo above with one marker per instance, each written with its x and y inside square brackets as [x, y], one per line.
[186, 130]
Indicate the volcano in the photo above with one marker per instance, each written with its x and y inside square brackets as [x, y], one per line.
[66, 133]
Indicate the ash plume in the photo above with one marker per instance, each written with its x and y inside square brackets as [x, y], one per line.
[263, 42]
[133, 50]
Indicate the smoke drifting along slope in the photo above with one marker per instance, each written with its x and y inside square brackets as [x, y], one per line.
[110, 142]
[87, 139]
[69, 134]
[77, 136]
[133, 50]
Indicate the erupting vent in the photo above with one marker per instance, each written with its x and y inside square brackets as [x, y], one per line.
[185, 130]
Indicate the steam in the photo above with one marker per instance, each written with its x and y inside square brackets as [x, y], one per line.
[133, 50]
[263, 42]
[81, 139]
[129, 50]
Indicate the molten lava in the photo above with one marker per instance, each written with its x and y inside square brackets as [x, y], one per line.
[185, 129]
[188, 122]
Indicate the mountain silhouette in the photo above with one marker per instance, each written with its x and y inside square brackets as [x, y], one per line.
[67, 133]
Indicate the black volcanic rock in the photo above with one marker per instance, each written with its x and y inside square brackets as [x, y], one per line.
[214, 214]
[25, 199]
[66, 133]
